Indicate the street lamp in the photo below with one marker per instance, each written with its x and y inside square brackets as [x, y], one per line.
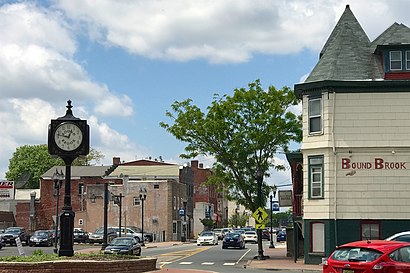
[184, 202]
[117, 199]
[272, 244]
[143, 197]
[236, 216]
[58, 179]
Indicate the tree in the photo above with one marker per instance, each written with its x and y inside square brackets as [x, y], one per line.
[243, 133]
[34, 160]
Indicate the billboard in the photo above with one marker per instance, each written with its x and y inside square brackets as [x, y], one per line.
[6, 190]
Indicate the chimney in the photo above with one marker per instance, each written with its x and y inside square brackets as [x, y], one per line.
[116, 160]
[194, 164]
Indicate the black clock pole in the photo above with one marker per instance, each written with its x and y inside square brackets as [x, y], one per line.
[68, 138]
[67, 215]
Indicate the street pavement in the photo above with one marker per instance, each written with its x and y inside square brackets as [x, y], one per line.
[278, 260]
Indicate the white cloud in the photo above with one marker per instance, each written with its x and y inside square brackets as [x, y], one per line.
[38, 74]
[223, 31]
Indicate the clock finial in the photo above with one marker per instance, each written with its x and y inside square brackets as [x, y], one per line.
[69, 106]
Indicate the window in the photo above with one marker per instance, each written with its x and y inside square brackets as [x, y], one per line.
[80, 222]
[395, 60]
[315, 115]
[80, 188]
[315, 177]
[408, 60]
[156, 186]
[401, 255]
[137, 201]
[370, 230]
[318, 237]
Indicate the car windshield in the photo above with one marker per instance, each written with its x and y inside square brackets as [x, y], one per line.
[356, 254]
[41, 234]
[233, 235]
[207, 234]
[99, 231]
[12, 230]
[122, 241]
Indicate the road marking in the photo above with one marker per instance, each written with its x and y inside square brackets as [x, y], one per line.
[180, 255]
[165, 263]
[207, 263]
[183, 263]
[229, 264]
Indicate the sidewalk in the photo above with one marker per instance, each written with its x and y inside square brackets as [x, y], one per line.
[277, 260]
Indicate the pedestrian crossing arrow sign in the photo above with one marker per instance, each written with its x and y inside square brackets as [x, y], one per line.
[260, 226]
[259, 215]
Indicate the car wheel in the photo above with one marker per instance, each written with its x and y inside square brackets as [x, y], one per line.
[223, 247]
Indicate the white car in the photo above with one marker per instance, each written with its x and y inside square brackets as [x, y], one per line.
[207, 238]
[401, 236]
[250, 236]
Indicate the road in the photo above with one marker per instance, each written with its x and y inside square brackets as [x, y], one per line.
[211, 258]
[184, 256]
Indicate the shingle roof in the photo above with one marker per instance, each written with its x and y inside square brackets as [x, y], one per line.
[146, 171]
[79, 171]
[345, 55]
[395, 34]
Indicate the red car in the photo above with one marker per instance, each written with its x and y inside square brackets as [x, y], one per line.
[373, 256]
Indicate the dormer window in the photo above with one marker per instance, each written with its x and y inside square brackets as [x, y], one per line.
[395, 60]
[407, 59]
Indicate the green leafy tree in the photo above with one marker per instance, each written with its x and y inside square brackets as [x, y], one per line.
[243, 132]
[34, 160]
[238, 220]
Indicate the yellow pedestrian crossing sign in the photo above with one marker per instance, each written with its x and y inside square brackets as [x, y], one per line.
[259, 215]
[260, 226]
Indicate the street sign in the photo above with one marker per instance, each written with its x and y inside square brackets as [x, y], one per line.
[259, 215]
[181, 212]
[260, 226]
[285, 198]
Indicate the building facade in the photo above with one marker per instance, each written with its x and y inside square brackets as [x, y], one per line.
[356, 145]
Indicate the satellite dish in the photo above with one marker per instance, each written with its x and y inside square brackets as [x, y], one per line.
[22, 181]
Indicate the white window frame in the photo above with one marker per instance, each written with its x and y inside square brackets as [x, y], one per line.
[318, 237]
[316, 164]
[407, 52]
[312, 116]
[137, 201]
[396, 60]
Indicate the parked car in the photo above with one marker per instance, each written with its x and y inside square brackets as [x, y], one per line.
[80, 236]
[233, 239]
[369, 256]
[251, 236]
[2, 244]
[11, 233]
[124, 245]
[41, 238]
[53, 234]
[281, 236]
[98, 235]
[218, 232]
[207, 238]
[401, 236]
[265, 235]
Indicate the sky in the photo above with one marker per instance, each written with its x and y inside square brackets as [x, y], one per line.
[123, 63]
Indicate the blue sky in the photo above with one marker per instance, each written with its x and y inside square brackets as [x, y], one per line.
[123, 63]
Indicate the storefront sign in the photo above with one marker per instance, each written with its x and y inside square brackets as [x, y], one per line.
[377, 164]
[6, 190]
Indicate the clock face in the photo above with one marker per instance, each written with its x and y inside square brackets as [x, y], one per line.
[68, 136]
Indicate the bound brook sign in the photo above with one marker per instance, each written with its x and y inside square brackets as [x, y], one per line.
[377, 164]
